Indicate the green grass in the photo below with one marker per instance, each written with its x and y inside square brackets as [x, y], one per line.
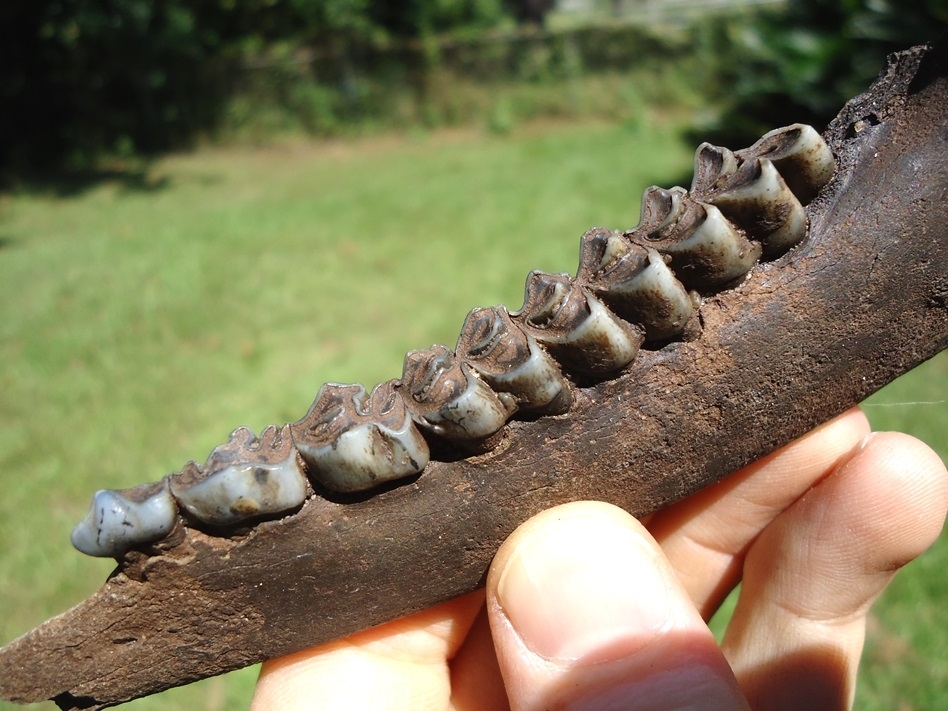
[140, 321]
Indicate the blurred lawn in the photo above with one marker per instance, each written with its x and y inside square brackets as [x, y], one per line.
[141, 320]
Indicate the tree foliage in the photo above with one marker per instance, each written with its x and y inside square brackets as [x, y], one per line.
[79, 77]
[804, 60]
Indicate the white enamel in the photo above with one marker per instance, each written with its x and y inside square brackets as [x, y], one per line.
[367, 455]
[474, 414]
[659, 278]
[538, 380]
[603, 334]
[808, 162]
[243, 491]
[712, 163]
[656, 292]
[716, 236]
[769, 194]
[119, 520]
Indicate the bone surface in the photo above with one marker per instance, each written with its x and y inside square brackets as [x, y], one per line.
[244, 479]
[353, 441]
[122, 519]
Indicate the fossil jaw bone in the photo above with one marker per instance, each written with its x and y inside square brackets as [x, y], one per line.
[122, 519]
[512, 361]
[353, 441]
[742, 205]
[246, 478]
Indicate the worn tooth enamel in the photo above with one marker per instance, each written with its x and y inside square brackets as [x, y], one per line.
[243, 479]
[446, 397]
[577, 328]
[661, 210]
[122, 519]
[636, 283]
[800, 155]
[511, 361]
[353, 441]
[758, 200]
[706, 250]
[713, 166]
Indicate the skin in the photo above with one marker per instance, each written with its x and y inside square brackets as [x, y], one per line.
[587, 608]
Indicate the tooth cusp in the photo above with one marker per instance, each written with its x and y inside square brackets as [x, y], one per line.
[119, 520]
[447, 398]
[636, 283]
[714, 166]
[352, 441]
[758, 200]
[511, 361]
[801, 156]
[576, 327]
[711, 253]
[246, 478]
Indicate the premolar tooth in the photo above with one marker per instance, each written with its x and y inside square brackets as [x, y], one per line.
[446, 397]
[511, 361]
[353, 441]
[713, 166]
[243, 479]
[801, 156]
[758, 200]
[636, 282]
[580, 331]
[122, 519]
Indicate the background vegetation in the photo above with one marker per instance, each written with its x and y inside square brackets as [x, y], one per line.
[79, 78]
[150, 302]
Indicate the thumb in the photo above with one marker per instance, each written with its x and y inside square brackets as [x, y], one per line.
[586, 612]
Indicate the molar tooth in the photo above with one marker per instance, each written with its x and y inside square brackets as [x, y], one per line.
[122, 519]
[446, 397]
[713, 166]
[758, 200]
[511, 361]
[801, 156]
[243, 479]
[636, 282]
[353, 441]
[575, 326]
[706, 250]
[661, 210]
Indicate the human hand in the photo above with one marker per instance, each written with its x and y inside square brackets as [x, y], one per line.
[586, 608]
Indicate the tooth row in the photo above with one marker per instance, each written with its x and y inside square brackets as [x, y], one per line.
[632, 288]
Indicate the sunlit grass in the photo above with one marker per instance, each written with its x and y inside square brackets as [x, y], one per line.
[140, 323]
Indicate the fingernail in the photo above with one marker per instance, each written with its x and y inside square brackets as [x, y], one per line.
[586, 589]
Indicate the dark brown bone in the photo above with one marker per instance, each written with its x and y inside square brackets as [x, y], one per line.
[862, 300]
